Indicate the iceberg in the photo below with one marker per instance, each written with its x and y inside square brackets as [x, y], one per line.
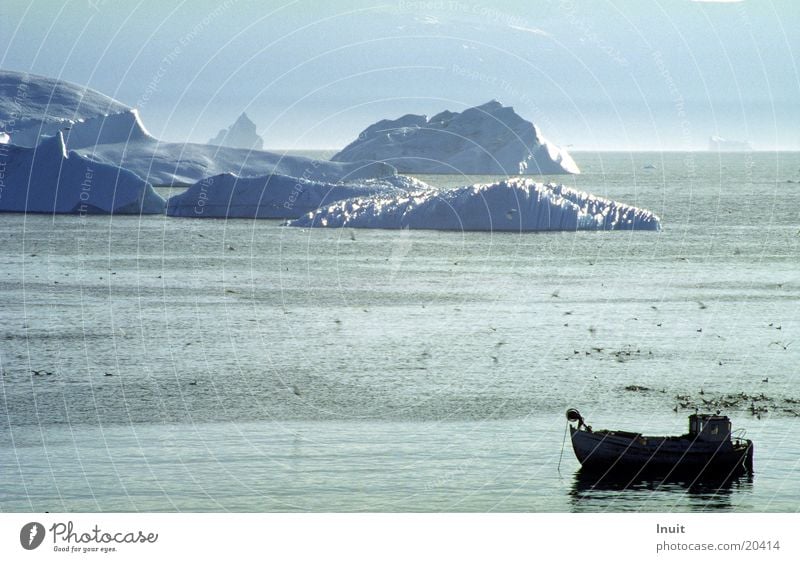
[33, 106]
[242, 134]
[514, 205]
[719, 144]
[48, 179]
[487, 139]
[123, 127]
[107, 131]
[166, 163]
[274, 196]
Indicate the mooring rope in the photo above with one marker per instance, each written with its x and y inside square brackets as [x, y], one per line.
[563, 441]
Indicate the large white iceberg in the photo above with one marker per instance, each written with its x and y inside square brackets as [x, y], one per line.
[33, 106]
[48, 179]
[487, 139]
[274, 196]
[512, 205]
[121, 140]
[242, 134]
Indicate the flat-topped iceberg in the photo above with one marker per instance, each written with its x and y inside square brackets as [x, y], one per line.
[274, 196]
[48, 179]
[512, 205]
[719, 144]
[487, 139]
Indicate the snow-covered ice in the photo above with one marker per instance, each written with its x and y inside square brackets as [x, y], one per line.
[242, 134]
[33, 106]
[123, 127]
[274, 196]
[510, 205]
[487, 139]
[48, 179]
[166, 163]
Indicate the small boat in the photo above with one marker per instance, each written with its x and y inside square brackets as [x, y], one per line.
[708, 449]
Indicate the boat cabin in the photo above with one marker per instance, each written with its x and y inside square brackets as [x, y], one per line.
[710, 427]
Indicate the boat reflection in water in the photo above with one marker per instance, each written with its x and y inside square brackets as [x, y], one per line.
[595, 492]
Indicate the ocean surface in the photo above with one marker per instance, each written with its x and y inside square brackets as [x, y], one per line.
[239, 365]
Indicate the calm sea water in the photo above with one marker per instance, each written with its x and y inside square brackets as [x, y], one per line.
[216, 365]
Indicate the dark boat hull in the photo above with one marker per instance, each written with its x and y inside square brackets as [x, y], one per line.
[624, 453]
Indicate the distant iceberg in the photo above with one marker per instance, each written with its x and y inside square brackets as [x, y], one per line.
[242, 134]
[719, 144]
[47, 179]
[274, 196]
[513, 205]
[487, 139]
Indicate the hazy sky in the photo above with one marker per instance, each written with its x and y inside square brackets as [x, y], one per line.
[658, 74]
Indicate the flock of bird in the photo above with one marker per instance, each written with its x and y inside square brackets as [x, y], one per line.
[756, 404]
